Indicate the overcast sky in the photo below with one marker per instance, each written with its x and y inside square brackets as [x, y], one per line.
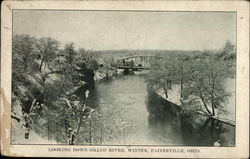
[111, 30]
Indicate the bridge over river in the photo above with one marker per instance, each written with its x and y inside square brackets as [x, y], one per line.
[135, 63]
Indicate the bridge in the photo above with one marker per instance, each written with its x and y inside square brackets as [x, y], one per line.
[135, 63]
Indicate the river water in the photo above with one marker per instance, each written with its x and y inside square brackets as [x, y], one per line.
[144, 118]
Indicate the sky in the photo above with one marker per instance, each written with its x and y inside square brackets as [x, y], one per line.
[115, 30]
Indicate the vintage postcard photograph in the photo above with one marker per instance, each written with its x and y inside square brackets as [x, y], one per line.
[123, 77]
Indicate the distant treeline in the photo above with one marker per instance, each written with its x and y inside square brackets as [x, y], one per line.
[151, 52]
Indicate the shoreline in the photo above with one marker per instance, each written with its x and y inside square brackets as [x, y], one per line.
[224, 120]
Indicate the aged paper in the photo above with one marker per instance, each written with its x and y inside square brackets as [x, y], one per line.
[125, 79]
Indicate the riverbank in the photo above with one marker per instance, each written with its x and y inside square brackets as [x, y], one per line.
[101, 74]
[199, 127]
[227, 117]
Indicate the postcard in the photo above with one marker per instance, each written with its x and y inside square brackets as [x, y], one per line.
[152, 79]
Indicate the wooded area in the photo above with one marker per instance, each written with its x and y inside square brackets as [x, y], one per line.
[50, 87]
[201, 77]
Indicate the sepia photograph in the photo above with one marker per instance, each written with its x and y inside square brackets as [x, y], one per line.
[123, 78]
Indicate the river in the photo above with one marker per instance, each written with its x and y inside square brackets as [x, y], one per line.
[147, 119]
[125, 113]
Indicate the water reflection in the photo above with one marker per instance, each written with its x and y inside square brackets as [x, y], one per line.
[195, 130]
[163, 121]
[201, 130]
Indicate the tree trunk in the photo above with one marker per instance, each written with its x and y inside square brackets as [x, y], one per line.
[80, 120]
[107, 75]
[166, 92]
[48, 130]
[181, 87]
[90, 135]
[213, 87]
[116, 73]
[15, 117]
[44, 52]
[25, 65]
[25, 62]
[40, 67]
[101, 137]
[204, 103]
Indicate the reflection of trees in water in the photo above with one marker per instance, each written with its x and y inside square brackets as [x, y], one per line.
[202, 130]
[195, 129]
[162, 120]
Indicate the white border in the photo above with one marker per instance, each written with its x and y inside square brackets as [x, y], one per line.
[242, 91]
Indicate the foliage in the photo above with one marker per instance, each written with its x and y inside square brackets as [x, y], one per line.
[206, 83]
[228, 52]
[56, 81]
[25, 52]
[48, 49]
[89, 58]
[201, 77]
